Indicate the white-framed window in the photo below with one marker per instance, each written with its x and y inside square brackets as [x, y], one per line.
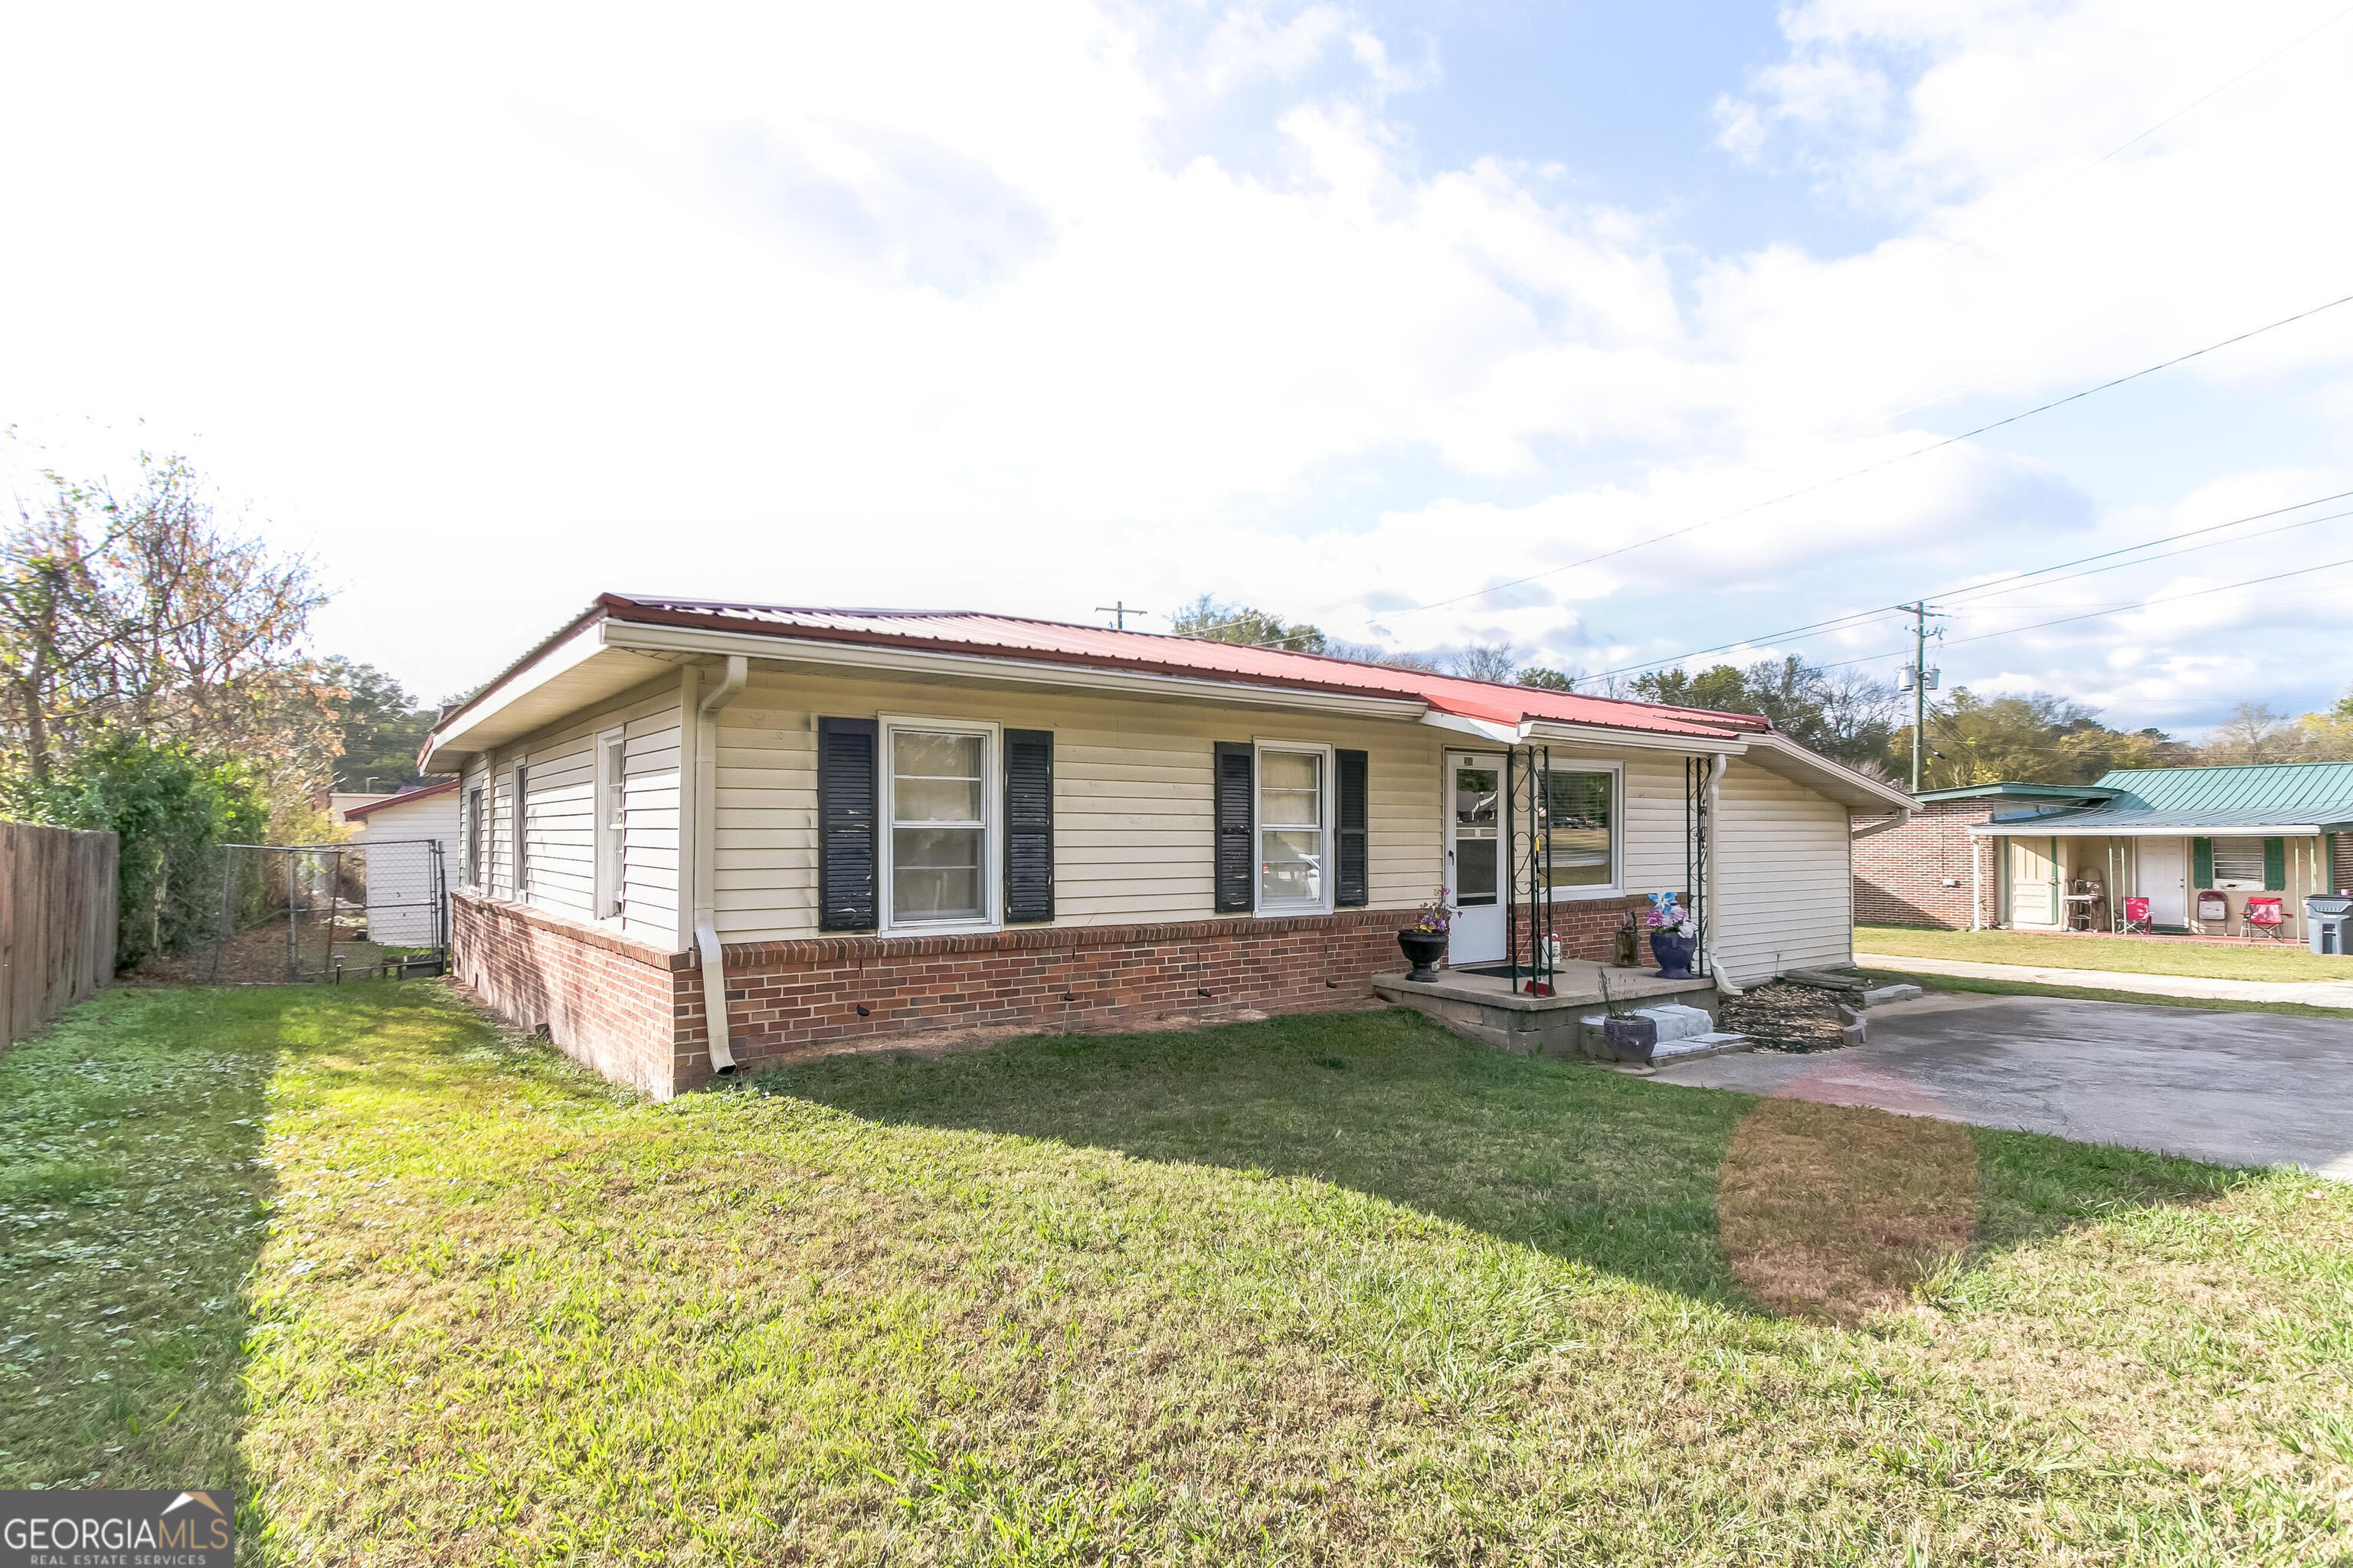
[941, 817]
[612, 808]
[476, 839]
[1583, 828]
[2239, 864]
[1294, 827]
[520, 823]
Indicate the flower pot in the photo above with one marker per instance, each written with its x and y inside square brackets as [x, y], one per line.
[1423, 950]
[1673, 954]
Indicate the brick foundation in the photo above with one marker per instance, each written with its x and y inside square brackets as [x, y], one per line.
[1901, 876]
[635, 1013]
[607, 1002]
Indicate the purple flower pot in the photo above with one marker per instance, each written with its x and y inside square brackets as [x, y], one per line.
[1673, 954]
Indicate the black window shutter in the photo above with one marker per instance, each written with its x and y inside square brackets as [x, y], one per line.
[846, 811]
[1235, 859]
[1352, 888]
[1029, 825]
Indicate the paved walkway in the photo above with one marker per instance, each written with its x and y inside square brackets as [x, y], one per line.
[2242, 1088]
[2313, 993]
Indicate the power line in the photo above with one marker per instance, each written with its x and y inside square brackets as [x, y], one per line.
[2148, 603]
[2096, 614]
[1970, 592]
[1883, 463]
[2145, 560]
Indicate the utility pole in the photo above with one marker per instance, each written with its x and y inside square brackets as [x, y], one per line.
[1919, 679]
[1119, 611]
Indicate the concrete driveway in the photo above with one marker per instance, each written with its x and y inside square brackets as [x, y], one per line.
[2239, 1089]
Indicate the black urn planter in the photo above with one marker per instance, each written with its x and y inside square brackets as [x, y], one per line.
[1423, 950]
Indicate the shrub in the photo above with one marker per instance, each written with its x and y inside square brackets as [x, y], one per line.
[171, 810]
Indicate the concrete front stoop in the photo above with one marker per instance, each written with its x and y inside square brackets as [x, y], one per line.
[1486, 1009]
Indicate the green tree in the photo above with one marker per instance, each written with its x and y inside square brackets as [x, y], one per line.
[380, 724]
[1536, 675]
[1719, 687]
[2035, 738]
[1846, 714]
[1207, 618]
[141, 612]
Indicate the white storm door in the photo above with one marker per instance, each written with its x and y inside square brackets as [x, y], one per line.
[2165, 880]
[1474, 854]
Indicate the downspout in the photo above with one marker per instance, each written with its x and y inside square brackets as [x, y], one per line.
[706, 857]
[1715, 851]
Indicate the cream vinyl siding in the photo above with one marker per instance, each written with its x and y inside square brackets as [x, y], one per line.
[1132, 822]
[1784, 878]
[400, 871]
[560, 825]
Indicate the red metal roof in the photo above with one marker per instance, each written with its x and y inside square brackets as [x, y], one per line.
[1049, 642]
[405, 796]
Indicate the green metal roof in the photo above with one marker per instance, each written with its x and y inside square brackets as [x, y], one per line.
[2277, 797]
[2300, 791]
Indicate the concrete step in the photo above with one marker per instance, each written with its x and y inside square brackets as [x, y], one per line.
[1699, 1046]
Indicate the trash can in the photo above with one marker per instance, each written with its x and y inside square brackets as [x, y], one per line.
[2329, 917]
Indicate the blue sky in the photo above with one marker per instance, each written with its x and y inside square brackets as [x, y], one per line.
[1345, 311]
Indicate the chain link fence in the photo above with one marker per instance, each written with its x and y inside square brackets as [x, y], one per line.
[294, 913]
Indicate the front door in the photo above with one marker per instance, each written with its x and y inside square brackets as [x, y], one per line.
[2033, 882]
[1474, 790]
[2165, 880]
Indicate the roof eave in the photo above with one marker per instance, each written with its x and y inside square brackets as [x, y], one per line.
[670, 638]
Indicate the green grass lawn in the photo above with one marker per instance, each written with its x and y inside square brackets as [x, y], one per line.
[1337, 1289]
[2123, 955]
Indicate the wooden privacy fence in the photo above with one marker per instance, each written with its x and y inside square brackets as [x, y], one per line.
[58, 892]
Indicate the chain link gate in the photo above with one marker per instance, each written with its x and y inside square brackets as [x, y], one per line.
[306, 913]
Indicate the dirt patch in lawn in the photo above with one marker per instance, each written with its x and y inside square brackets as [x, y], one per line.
[256, 956]
[1837, 1212]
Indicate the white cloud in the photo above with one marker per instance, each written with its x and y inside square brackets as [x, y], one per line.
[924, 305]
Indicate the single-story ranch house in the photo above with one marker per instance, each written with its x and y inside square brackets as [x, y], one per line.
[850, 823]
[2199, 843]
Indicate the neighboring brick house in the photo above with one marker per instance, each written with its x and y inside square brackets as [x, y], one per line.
[696, 836]
[1927, 871]
[2199, 844]
[1920, 873]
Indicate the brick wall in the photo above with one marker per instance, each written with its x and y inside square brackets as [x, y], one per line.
[789, 999]
[1588, 927]
[605, 1001]
[637, 1015]
[1901, 876]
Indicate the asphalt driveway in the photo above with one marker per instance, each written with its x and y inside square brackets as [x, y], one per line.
[2239, 1089]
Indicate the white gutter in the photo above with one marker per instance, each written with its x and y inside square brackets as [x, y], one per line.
[1640, 739]
[638, 637]
[2026, 827]
[1491, 733]
[1977, 889]
[1897, 820]
[705, 861]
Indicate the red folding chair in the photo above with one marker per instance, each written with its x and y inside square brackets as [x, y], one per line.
[2265, 920]
[2137, 917]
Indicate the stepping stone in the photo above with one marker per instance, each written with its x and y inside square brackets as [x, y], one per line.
[1698, 1046]
[1879, 996]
